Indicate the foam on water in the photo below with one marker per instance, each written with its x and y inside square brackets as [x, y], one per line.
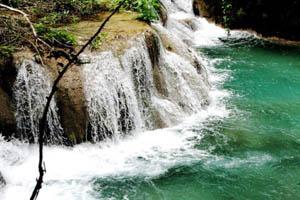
[71, 171]
[254, 159]
[196, 31]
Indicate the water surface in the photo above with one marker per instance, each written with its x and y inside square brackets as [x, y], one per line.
[252, 154]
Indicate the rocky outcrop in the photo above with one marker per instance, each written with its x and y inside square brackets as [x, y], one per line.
[269, 18]
[200, 8]
[70, 97]
[163, 14]
[8, 73]
[7, 76]
[7, 118]
[71, 106]
[143, 65]
[152, 41]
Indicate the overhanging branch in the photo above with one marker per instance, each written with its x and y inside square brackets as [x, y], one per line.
[43, 120]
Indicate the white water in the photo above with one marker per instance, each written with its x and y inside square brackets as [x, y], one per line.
[31, 88]
[122, 96]
[70, 171]
[110, 94]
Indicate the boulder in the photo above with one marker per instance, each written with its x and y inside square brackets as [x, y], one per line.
[7, 118]
[7, 77]
[71, 105]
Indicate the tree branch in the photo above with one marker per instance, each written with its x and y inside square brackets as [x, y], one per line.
[43, 120]
[28, 21]
[24, 15]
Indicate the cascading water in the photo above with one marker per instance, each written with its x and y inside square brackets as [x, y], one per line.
[136, 62]
[31, 88]
[112, 105]
[124, 94]
[193, 30]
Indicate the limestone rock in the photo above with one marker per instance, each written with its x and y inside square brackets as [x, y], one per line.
[71, 104]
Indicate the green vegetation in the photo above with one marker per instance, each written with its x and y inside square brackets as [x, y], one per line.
[147, 9]
[57, 37]
[53, 19]
[98, 40]
[49, 17]
[6, 51]
[269, 18]
[226, 10]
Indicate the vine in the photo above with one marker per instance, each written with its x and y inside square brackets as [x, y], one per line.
[227, 14]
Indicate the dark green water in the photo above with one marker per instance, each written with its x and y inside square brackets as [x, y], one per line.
[255, 153]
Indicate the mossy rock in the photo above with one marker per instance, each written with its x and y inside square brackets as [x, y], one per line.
[121, 28]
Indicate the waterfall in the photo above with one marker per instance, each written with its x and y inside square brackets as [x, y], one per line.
[135, 91]
[191, 29]
[129, 98]
[123, 96]
[184, 6]
[139, 89]
[137, 63]
[127, 93]
[112, 105]
[31, 88]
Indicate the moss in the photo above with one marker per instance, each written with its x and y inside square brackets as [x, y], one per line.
[6, 51]
[55, 19]
[72, 137]
[55, 36]
[121, 28]
[98, 41]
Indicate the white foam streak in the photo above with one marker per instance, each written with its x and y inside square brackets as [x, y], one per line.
[145, 154]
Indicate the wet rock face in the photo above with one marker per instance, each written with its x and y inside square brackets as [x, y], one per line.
[163, 14]
[70, 98]
[270, 18]
[196, 7]
[152, 41]
[2, 181]
[7, 76]
[7, 118]
[71, 106]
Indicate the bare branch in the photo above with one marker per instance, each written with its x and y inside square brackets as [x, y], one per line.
[28, 21]
[24, 15]
[43, 120]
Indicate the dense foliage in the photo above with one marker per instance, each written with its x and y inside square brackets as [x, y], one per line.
[64, 11]
[6, 51]
[50, 16]
[57, 37]
[148, 9]
[270, 18]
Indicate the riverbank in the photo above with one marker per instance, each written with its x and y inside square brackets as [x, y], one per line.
[278, 19]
